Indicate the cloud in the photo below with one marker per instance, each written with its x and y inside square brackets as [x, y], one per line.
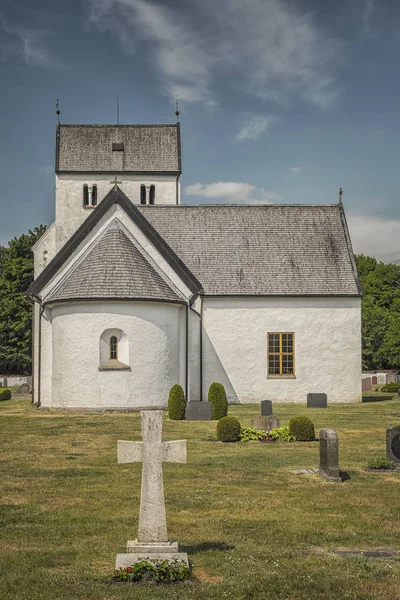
[232, 191]
[266, 48]
[375, 236]
[24, 43]
[45, 169]
[295, 169]
[254, 128]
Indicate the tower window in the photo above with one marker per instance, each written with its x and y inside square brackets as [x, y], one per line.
[142, 194]
[94, 195]
[85, 195]
[113, 347]
[152, 194]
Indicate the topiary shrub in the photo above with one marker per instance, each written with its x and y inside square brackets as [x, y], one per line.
[391, 387]
[219, 402]
[5, 394]
[228, 429]
[302, 428]
[176, 403]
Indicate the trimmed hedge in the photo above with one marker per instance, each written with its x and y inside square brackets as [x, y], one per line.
[302, 428]
[176, 403]
[5, 394]
[219, 402]
[228, 429]
[391, 387]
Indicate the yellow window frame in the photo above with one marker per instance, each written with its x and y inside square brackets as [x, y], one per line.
[280, 354]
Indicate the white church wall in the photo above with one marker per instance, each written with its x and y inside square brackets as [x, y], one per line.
[327, 347]
[70, 212]
[46, 358]
[44, 249]
[153, 333]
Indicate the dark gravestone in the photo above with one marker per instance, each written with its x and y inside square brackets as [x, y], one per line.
[317, 401]
[198, 411]
[393, 443]
[266, 408]
[329, 455]
[24, 388]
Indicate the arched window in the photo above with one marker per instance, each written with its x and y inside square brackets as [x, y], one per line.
[152, 194]
[85, 195]
[113, 347]
[142, 194]
[94, 195]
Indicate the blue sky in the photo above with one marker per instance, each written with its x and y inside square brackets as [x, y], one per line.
[280, 100]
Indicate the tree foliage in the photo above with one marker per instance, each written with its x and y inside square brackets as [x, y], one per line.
[380, 313]
[16, 274]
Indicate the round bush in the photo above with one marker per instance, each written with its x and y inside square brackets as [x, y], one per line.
[302, 428]
[176, 403]
[219, 402]
[228, 429]
[5, 394]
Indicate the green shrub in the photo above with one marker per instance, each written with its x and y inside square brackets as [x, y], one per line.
[381, 462]
[219, 402]
[228, 429]
[5, 394]
[251, 433]
[391, 387]
[159, 570]
[302, 428]
[281, 434]
[176, 403]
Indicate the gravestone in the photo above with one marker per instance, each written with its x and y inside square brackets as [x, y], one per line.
[198, 411]
[152, 541]
[265, 423]
[24, 388]
[329, 455]
[266, 408]
[393, 443]
[317, 401]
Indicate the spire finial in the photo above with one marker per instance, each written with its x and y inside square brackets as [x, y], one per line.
[340, 195]
[177, 111]
[117, 110]
[58, 111]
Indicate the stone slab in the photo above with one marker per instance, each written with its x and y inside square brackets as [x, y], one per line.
[266, 408]
[305, 471]
[126, 560]
[198, 411]
[317, 401]
[135, 547]
[265, 423]
[329, 455]
[393, 443]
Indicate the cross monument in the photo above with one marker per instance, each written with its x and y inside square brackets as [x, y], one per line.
[152, 539]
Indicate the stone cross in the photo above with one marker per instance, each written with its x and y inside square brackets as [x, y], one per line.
[115, 182]
[152, 452]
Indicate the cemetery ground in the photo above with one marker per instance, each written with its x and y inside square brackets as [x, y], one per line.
[251, 527]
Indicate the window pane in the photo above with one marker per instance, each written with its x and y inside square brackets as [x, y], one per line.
[113, 348]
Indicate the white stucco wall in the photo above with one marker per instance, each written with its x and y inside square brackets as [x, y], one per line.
[44, 249]
[154, 334]
[327, 347]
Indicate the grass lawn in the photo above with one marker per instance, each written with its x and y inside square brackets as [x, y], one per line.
[252, 528]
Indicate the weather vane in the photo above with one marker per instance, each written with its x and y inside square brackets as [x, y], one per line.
[177, 111]
[58, 111]
[340, 195]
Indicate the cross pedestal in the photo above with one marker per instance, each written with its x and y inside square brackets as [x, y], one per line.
[152, 541]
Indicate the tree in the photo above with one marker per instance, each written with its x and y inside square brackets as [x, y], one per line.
[16, 274]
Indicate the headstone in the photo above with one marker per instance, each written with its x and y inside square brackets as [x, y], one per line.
[152, 541]
[24, 388]
[329, 455]
[198, 411]
[266, 408]
[317, 401]
[265, 423]
[393, 443]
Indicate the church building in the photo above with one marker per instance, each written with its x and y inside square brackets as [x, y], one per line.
[135, 291]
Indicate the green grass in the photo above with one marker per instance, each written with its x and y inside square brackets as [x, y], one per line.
[252, 528]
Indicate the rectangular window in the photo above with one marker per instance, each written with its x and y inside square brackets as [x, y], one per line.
[281, 354]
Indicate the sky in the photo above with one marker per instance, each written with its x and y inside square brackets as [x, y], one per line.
[281, 101]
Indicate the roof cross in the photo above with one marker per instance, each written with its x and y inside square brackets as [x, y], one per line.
[115, 182]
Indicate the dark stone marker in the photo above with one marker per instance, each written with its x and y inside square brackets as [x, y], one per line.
[24, 388]
[329, 455]
[393, 443]
[266, 408]
[317, 401]
[198, 411]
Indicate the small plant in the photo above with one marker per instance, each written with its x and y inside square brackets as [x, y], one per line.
[391, 387]
[251, 433]
[382, 463]
[161, 571]
[302, 428]
[228, 429]
[281, 434]
[210, 438]
[176, 403]
[219, 402]
[5, 394]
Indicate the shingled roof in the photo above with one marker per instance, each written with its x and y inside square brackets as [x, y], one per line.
[118, 148]
[261, 250]
[113, 268]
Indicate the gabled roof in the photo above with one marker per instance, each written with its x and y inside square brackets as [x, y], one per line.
[115, 196]
[118, 148]
[113, 268]
[273, 250]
